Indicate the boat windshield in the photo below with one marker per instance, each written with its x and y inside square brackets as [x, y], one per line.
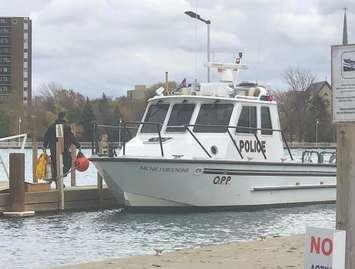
[247, 120]
[180, 116]
[213, 114]
[156, 114]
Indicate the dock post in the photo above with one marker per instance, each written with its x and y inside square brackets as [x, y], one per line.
[99, 189]
[59, 163]
[17, 181]
[73, 171]
[34, 160]
[345, 150]
[17, 187]
[346, 187]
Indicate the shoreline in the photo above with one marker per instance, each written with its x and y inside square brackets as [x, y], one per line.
[265, 253]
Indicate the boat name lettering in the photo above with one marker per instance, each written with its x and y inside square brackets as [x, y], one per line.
[252, 145]
[223, 180]
[164, 169]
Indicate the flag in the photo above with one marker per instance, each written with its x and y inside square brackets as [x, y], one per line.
[181, 85]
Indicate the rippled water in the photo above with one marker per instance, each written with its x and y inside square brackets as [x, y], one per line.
[50, 240]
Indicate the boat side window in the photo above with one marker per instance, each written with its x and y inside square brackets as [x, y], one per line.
[213, 114]
[156, 114]
[266, 125]
[247, 120]
[179, 116]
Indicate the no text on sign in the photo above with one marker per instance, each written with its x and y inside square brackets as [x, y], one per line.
[324, 249]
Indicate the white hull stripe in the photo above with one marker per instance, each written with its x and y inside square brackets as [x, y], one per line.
[231, 172]
[293, 187]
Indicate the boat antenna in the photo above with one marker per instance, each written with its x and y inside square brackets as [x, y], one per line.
[238, 60]
[229, 71]
[195, 79]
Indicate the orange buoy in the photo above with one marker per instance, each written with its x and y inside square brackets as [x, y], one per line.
[81, 163]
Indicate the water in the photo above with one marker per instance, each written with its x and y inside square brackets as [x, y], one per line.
[51, 240]
[45, 241]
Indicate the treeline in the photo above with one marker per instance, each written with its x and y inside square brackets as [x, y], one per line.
[80, 111]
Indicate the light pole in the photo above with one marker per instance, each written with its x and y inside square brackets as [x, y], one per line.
[208, 23]
[317, 125]
[19, 130]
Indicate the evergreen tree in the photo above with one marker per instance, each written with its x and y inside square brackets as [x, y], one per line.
[87, 117]
[4, 125]
[317, 111]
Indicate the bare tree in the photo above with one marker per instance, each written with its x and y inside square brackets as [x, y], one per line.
[293, 102]
[298, 79]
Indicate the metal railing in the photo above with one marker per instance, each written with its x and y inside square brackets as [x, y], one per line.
[20, 144]
[126, 129]
[233, 140]
[124, 126]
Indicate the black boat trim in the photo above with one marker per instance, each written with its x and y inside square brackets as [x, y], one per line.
[231, 172]
[204, 161]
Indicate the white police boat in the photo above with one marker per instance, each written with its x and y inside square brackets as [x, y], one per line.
[212, 146]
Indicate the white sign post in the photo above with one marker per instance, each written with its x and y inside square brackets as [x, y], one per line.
[324, 249]
[59, 151]
[343, 82]
[343, 85]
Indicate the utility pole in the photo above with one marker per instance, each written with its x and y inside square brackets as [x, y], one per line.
[345, 204]
[167, 83]
[316, 138]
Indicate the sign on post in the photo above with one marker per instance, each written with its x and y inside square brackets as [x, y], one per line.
[324, 249]
[59, 132]
[343, 82]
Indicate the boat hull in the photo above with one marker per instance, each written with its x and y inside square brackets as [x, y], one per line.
[215, 184]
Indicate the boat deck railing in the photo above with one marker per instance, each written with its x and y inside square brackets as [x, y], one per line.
[125, 127]
[20, 144]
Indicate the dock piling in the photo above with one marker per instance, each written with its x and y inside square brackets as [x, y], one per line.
[17, 181]
[17, 187]
[34, 161]
[59, 163]
[100, 189]
[73, 172]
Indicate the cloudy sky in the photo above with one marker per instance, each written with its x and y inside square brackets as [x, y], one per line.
[96, 46]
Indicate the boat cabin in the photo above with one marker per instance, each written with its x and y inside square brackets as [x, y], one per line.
[213, 120]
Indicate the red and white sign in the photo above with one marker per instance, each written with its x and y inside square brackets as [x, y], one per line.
[324, 249]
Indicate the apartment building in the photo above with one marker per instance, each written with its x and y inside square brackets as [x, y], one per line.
[15, 60]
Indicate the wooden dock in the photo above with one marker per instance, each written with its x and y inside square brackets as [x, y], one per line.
[86, 198]
[18, 196]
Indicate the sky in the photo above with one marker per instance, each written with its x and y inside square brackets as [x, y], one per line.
[96, 46]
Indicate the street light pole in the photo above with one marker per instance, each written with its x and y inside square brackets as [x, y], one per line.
[19, 130]
[208, 50]
[317, 124]
[208, 23]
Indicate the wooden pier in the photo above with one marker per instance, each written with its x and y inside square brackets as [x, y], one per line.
[86, 198]
[18, 196]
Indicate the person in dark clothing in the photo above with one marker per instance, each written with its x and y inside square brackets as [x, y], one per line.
[50, 141]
